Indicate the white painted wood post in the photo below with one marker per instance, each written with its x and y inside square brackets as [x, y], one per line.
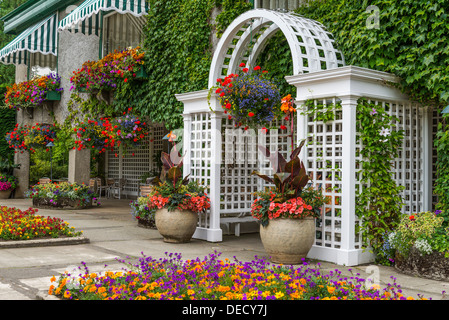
[186, 144]
[347, 254]
[214, 230]
[427, 144]
[301, 129]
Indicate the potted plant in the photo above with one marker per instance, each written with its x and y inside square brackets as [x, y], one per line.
[175, 201]
[7, 184]
[288, 209]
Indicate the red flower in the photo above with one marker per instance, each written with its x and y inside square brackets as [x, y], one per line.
[283, 127]
[228, 106]
[250, 114]
[242, 65]
[245, 70]
[412, 217]
[256, 68]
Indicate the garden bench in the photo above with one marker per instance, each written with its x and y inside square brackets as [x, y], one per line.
[242, 218]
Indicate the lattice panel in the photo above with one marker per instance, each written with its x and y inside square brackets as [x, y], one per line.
[239, 161]
[324, 165]
[436, 119]
[407, 167]
[134, 162]
[200, 154]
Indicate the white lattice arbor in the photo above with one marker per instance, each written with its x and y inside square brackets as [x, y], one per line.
[223, 159]
[218, 155]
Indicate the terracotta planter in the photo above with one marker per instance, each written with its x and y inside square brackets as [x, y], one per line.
[5, 194]
[287, 241]
[176, 226]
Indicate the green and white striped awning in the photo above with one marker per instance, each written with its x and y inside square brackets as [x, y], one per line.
[85, 17]
[39, 38]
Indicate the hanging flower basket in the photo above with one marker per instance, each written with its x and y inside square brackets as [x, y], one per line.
[30, 138]
[33, 93]
[106, 73]
[53, 96]
[250, 99]
[128, 131]
[141, 73]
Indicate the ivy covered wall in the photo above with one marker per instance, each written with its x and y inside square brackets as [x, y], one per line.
[179, 42]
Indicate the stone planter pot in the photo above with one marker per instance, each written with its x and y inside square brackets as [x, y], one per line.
[176, 226]
[288, 241]
[5, 194]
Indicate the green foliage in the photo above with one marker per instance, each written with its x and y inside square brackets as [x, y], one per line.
[289, 177]
[411, 40]
[425, 231]
[277, 59]
[320, 111]
[442, 167]
[379, 201]
[230, 10]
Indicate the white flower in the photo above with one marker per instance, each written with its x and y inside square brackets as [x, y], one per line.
[423, 246]
[384, 132]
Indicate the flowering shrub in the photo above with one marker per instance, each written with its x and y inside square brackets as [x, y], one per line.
[31, 93]
[7, 182]
[214, 279]
[271, 205]
[425, 231]
[60, 195]
[28, 137]
[107, 133]
[16, 224]
[250, 99]
[104, 74]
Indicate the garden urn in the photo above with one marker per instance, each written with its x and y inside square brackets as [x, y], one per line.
[176, 226]
[288, 241]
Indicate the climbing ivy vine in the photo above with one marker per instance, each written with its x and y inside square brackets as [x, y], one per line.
[379, 202]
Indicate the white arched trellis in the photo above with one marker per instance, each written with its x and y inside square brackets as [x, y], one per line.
[311, 46]
[319, 75]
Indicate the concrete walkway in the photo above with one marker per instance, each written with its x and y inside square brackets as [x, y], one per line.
[113, 233]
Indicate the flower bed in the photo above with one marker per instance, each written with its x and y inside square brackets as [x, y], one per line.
[420, 245]
[16, 224]
[213, 279]
[32, 93]
[62, 196]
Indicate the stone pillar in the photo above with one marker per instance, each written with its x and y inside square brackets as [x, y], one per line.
[22, 174]
[74, 50]
[79, 166]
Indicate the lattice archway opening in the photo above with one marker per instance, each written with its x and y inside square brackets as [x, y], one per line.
[312, 49]
[312, 46]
